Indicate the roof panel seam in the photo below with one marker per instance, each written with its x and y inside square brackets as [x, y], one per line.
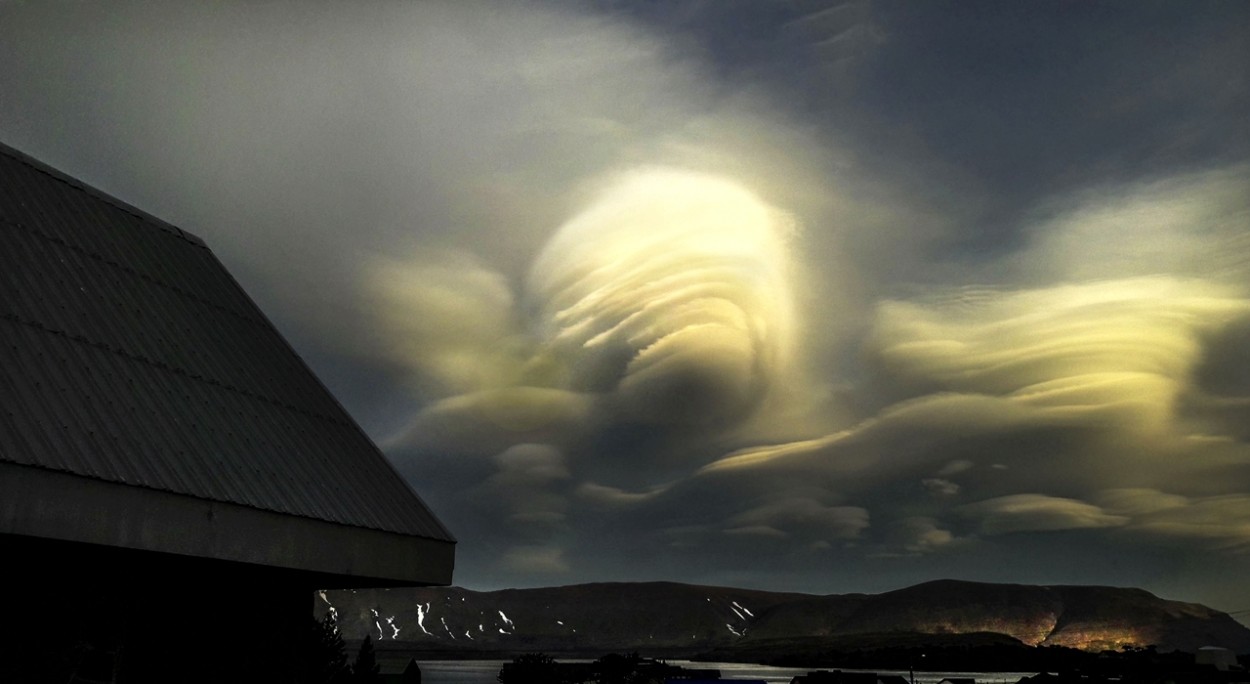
[133, 271]
[178, 371]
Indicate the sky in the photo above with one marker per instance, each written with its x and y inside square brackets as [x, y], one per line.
[809, 296]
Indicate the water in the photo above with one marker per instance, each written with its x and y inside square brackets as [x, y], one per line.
[460, 671]
[485, 671]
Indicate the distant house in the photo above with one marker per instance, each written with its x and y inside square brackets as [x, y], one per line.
[400, 673]
[174, 481]
[1222, 659]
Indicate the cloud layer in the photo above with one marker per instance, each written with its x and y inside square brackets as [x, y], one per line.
[801, 297]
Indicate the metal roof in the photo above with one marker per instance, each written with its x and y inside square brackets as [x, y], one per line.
[131, 355]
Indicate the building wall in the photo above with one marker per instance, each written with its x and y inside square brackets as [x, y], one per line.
[105, 614]
[39, 502]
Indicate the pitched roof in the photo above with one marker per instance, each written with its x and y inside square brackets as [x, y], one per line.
[133, 357]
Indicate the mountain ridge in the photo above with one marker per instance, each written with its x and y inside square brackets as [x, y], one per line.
[675, 619]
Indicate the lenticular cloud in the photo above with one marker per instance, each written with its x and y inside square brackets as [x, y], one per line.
[670, 296]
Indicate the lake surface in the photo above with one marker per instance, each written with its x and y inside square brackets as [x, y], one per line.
[485, 671]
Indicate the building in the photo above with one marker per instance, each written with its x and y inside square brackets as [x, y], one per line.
[841, 677]
[174, 481]
[1222, 659]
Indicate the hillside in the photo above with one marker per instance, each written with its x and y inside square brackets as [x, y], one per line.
[671, 619]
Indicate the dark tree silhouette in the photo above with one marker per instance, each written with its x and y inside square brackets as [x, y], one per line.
[327, 656]
[365, 669]
[615, 668]
[530, 668]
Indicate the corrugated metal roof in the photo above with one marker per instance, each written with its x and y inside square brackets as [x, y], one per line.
[131, 355]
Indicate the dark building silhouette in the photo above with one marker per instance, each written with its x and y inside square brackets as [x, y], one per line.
[401, 673]
[174, 481]
[841, 677]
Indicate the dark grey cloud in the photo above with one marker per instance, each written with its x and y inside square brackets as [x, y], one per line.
[828, 296]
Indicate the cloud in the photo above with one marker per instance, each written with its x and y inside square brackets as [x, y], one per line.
[1219, 522]
[536, 560]
[921, 535]
[449, 320]
[758, 531]
[612, 497]
[662, 309]
[907, 439]
[1038, 513]
[939, 487]
[1121, 349]
[1140, 501]
[487, 422]
[1223, 521]
[350, 139]
[1190, 225]
[955, 467]
[670, 294]
[805, 517]
[1009, 411]
[526, 487]
[529, 464]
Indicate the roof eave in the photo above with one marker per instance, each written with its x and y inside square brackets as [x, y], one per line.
[49, 504]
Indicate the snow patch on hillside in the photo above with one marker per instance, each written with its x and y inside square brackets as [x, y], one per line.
[507, 622]
[422, 611]
[377, 624]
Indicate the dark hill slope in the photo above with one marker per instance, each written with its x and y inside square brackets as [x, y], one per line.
[1094, 616]
[659, 616]
[1091, 618]
[671, 618]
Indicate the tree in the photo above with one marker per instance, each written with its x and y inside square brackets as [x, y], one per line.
[365, 669]
[327, 655]
[530, 668]
[615, 668]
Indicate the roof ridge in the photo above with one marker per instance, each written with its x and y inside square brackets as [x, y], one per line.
[93, 288]
[134, 211]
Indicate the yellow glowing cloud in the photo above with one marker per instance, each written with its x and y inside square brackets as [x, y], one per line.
[490, 421]
[1120, 349]
[449, 320]
[670, 293]
[850, 452]
[1094, 371]
[769, 454]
